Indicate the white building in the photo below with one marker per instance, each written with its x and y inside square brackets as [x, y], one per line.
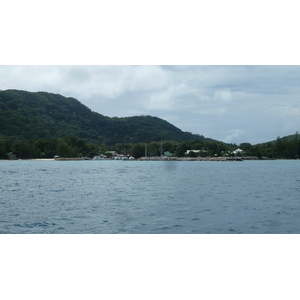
[195, 151]
[238, 152]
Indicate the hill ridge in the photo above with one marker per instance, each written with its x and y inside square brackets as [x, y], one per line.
[34, 115]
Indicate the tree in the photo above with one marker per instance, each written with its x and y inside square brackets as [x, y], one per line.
[21, 149]
[278, 147]
[65, 150]
[247, 148]
[192, 154]
[180, 150]
[2, 151]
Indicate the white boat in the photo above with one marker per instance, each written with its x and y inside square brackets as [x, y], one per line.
[131, 158]
[98, 157]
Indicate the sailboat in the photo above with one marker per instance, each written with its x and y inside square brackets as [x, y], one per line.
[100, 156]
[131, 157]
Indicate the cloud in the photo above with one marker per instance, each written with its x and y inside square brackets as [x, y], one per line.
[289, 110]
[148, 78]
[85, 81]
[234, 135]
[223, 95]
[171, 98]
[213, 111]
[229, 103]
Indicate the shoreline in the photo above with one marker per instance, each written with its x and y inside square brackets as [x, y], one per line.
[156, 158]
[190, 159]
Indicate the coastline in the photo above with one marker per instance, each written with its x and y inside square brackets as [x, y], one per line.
[163, 158]
[155, 158]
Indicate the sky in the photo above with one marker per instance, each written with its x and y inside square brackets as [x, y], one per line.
[229, 103]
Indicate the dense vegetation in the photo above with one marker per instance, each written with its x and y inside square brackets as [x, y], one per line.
[30, 116]
[286, 147]
[72, 146]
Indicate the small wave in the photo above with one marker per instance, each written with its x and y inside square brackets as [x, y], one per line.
[65, 219]
[39, 224]
[164, 228]
[58, 190]
[9, 172]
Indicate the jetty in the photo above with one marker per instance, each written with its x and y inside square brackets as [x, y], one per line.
[166, 158]
[172, 158]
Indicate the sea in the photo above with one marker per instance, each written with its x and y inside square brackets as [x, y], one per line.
[149, 197]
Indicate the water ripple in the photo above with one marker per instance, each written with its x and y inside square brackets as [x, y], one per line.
[145, 197]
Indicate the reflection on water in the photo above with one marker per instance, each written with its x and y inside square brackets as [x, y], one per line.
[169, 166]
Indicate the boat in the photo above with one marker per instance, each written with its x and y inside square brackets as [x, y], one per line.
[98, 157]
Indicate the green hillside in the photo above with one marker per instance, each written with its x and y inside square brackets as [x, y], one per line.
[26, 115]
[287, 138]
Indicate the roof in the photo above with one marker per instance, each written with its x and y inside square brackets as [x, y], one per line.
[188, 151]
[238, 150]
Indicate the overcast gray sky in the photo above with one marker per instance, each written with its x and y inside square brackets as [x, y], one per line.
[233, 104]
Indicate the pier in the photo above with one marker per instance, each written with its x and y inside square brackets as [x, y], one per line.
[166, 158]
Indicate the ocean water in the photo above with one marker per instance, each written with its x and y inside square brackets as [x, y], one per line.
[157, 197]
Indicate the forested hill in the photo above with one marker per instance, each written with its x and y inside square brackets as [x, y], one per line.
[26, 115]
